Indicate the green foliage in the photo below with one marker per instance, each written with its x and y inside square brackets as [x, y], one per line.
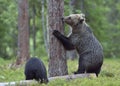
[109, 75]
[102, 16]
[8, 23]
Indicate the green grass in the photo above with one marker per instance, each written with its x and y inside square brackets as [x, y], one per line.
[109, 76]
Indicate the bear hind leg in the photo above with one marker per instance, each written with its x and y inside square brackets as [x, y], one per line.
[96, 71]
[29, 77]
[81, 68]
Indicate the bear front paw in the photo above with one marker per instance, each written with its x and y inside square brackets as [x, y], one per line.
[56, 33]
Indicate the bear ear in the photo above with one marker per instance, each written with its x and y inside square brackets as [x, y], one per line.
[81, 20]
[83, 15]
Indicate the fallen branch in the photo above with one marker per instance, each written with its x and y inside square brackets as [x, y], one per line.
[33, 82]
[19, 83]
[69, 77]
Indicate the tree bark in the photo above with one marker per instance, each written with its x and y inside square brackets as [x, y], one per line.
[57, 54]
[47, 29]
[23, 32]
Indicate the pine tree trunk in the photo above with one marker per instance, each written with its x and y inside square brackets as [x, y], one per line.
[23, 32]
[57, 56]
[34, 29]
[47, 29]
[43, 26]
[82, 6]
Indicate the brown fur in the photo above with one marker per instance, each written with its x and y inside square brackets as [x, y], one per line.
[83, 40]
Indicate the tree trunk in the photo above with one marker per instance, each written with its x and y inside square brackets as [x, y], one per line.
[23, 32]
[57, 56]
[47, 29]
[82, 6]
[43, 26]
[34, 29]
[72, 6]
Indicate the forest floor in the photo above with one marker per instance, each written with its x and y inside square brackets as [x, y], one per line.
[109, 76]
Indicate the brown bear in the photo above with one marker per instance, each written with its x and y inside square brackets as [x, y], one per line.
[83, 40]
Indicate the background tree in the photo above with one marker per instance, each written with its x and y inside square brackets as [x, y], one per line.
[34, 28]
[43, 25]
[101, 15]
[23, 32]
[57, 57]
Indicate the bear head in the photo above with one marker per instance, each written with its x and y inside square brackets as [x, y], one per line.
[74, 19]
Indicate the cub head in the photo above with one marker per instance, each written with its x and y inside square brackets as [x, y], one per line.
[74, 19]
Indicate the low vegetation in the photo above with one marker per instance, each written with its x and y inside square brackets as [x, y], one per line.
[109, 76]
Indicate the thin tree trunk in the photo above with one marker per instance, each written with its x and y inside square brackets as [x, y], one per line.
[34, 30]
[23, 32]
[43, 27]
[57, 57]
[82, 6]
[72, 6]
[47, 29]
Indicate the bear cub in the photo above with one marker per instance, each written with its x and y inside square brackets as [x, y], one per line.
[35, 69]
[83, 40]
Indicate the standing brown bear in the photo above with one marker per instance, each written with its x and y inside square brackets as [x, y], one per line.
[83, 40]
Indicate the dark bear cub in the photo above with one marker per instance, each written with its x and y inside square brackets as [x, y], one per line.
[35, 69]
[83, 40]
